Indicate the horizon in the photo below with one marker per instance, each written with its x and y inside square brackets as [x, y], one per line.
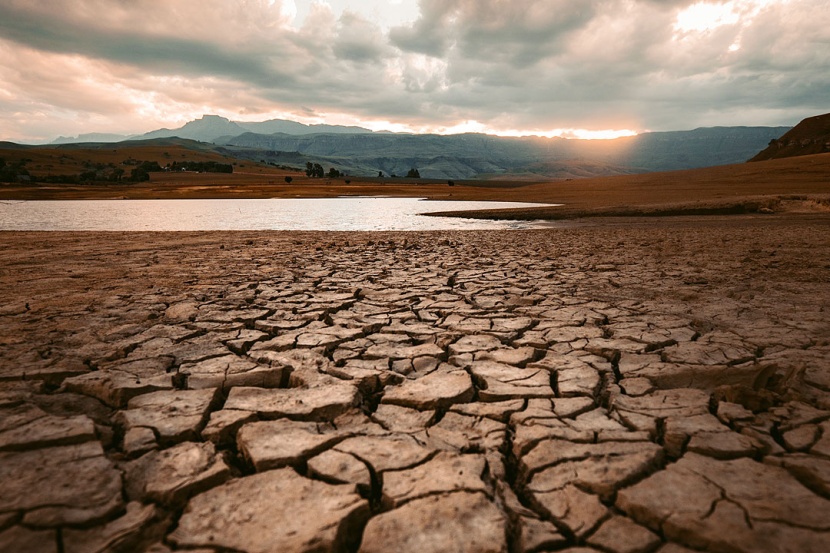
[589, 70]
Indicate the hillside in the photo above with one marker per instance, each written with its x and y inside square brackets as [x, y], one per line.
[811, 136]
[360, 152]
[477, 155]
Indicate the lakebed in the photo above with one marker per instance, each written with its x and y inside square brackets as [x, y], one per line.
[629, 385]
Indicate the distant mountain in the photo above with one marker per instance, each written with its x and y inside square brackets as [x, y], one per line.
[811, 136]
[206, 129]
[91, 137]
[292, 127]
[475, 155]
[361, 152]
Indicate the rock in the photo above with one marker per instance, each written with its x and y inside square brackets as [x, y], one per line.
[228, 371]
[636, 386]
[182, 311]
[677, 430]
[274, 444]
[641, 413]
[171, 476]
[812, 471]
[222, 426]
[538, 535]
[467, 434]
[116, 383]
[444, 473]
[582, 381]
[139, 440]
[499, 411]
[474, 343]
[68, 485]
[387, 452]
[461, 522]
[600, 468]
[340, 468]
[29, 427]
[822, 446]
[739, 505]
[569, 506]
[498, 382]
[518, 357]
[24, 540]
[437, 390]
[730, 413]
[175, 415]
[621, 535]
[311, 404]
[241, 514]
[141, 526]
[722, 445]
[402, 419]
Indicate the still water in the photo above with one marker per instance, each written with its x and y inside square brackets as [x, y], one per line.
[336, 214]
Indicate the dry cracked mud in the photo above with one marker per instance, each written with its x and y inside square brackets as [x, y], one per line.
[623, 388]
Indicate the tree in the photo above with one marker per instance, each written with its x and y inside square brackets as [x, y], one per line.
[380, 174]
[333, 173]
[309, 169]
[413, 174]
[318, 171]
[288, 180]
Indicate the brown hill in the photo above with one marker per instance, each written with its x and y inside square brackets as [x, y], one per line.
[811, 136]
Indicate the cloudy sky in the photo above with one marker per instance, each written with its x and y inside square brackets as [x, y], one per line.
[572, 67]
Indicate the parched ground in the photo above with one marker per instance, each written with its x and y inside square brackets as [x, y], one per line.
[632, 386]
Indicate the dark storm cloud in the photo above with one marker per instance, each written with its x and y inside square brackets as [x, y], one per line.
[508, 64]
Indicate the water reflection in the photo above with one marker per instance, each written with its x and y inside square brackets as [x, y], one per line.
[333, 214]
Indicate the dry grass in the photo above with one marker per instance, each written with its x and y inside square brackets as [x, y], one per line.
[728, 188]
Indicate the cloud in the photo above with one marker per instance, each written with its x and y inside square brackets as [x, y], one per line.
[505, 64]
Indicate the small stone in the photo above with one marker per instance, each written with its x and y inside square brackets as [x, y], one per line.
[241, 515]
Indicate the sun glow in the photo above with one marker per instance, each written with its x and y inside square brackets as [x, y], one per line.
[478, 127]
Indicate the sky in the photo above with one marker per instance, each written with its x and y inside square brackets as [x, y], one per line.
[574, 68]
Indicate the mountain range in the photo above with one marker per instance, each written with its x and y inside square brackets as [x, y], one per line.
[361, 152]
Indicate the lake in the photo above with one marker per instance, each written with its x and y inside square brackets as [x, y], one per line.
[331, 214]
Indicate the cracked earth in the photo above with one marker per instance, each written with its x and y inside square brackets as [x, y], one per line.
[620, 388]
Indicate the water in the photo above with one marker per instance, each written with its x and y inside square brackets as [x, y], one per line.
[335, 214]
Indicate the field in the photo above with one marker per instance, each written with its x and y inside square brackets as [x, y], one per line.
[722, 187]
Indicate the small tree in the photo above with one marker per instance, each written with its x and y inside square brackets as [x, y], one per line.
[333, 173]
[288, 180]
[413, 174]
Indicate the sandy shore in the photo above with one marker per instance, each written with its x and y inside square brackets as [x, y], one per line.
[633, 385]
